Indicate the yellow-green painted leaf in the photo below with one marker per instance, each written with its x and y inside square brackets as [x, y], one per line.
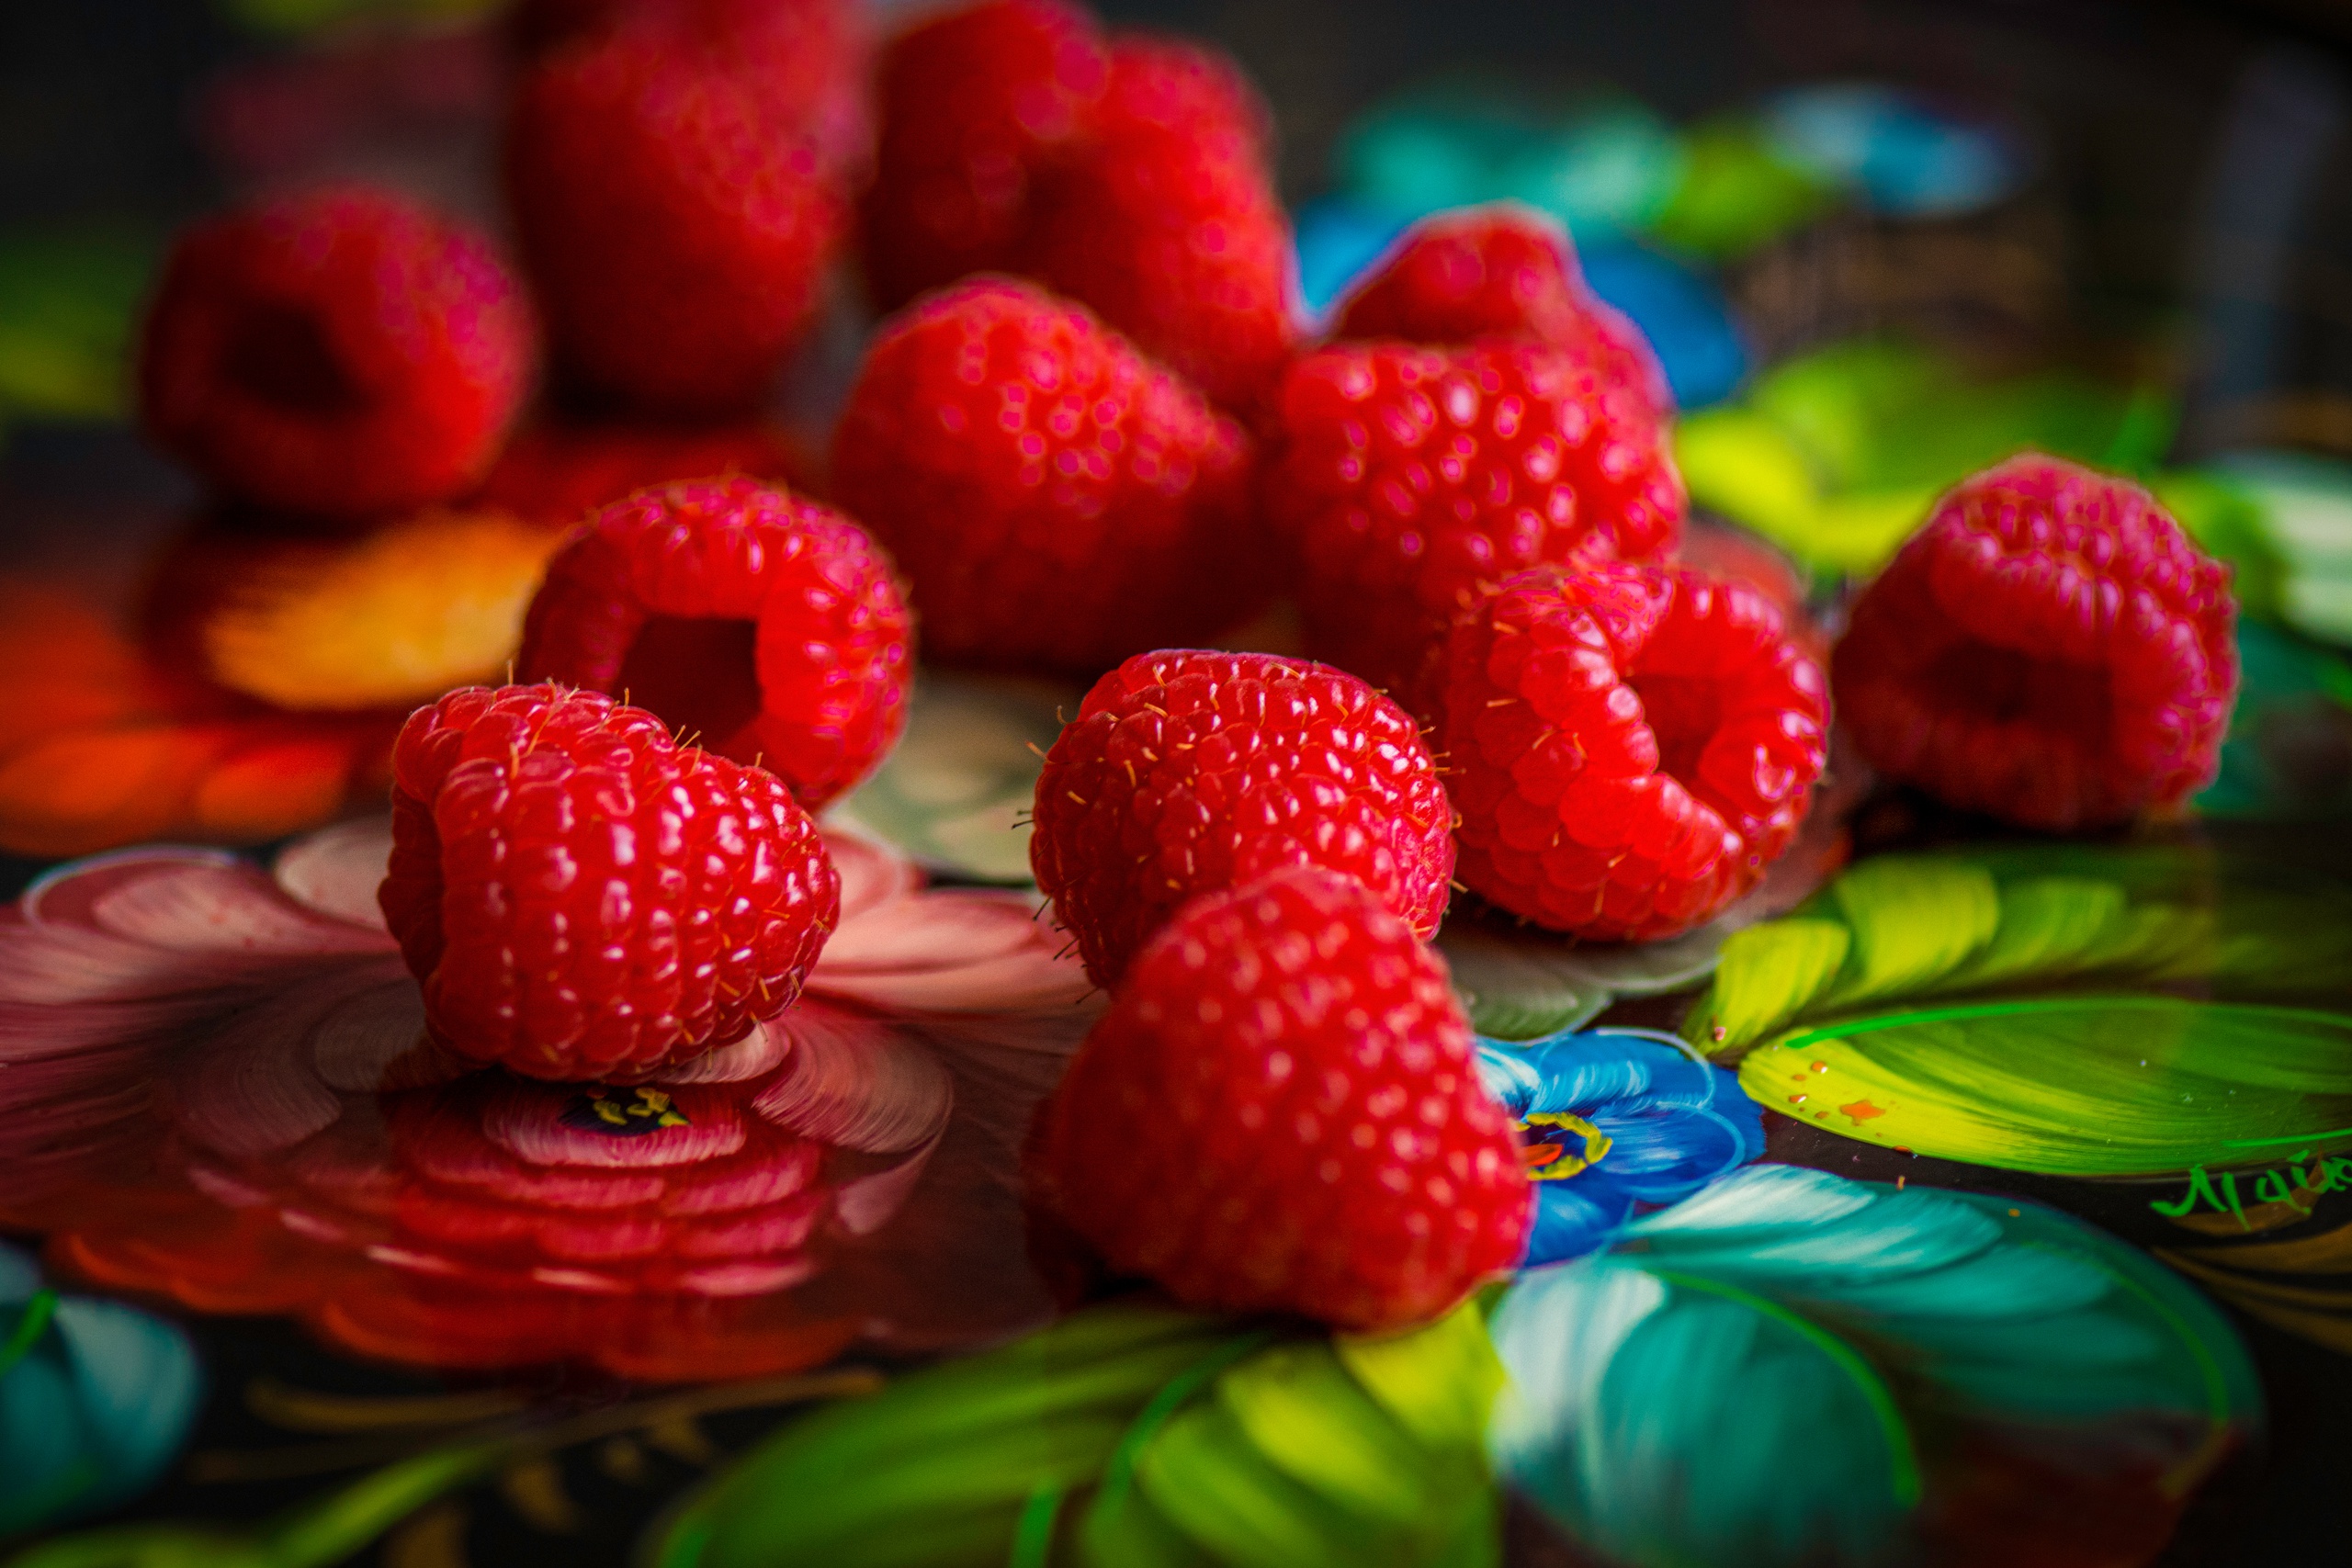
[2045, 923]
[1769, 973]
[2085, 1084]
[1205, 1477]
[1913, 920]
[1300, 1409]
[1747, 467]
[1439, 1381]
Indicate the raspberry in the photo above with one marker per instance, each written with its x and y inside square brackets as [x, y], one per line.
[805, 57]
[1410, 477]
[583, 899]
[766, 623]
[1164, 220]
[559, 472]
[2049, 647]
[1056, 500]
[675, 230]
[341, 352]
[1504, 271]
[1186, 772]
[1629, 745]
[971, 103]
[1281, 1112]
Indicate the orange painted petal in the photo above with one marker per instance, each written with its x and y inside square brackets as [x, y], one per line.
[76, 793]
[268, 790]
[68, 667]
[393, 619]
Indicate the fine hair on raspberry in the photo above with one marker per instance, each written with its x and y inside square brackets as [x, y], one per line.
[1629, 745]
[1281, 1112]
[340, 353]
[1187, 771]
[2049, 647]
[581, 897]
[766, 625]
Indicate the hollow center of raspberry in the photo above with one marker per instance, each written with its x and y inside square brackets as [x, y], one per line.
[1976, 680]
[281, 354]
[700, 674]
[1684, 712]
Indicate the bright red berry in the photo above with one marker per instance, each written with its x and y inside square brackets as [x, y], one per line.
[1281, 1112]
[1629, 745]
[583, 898]
[2049, 649]
[766, 625]
[806, 58]
[1056, 500]
[1411, 478]
[558, 471]
[674, 224]
[1502, 271]
[1186, 772]
[1164, 220]
[970, 104]
[341, 352]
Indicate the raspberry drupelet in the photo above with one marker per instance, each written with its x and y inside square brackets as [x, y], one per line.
[1407, 479]
[1056, 500]
[1629, 745]
[1188, 770]
[766, 625]
[2049, 647]
[581, 897]
[340, 352]
[1281, 1112]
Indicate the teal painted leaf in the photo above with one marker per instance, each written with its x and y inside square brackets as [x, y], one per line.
[1967, 1006]
[1791, 1369]
[96, 1399]
[956, 790]
[1131, 1437]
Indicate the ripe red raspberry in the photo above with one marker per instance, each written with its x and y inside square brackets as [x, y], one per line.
[1629, 745]
[767, 625]
[341, 352]
[1186, 772]
[1502, 271]
[676, 227]
[1409, 478]
[1056, 500]
[559, 472]
[1282, 1112]
[806, 57]
[2049, 649]
[1165, 222]
[581, 897]
[970, 104]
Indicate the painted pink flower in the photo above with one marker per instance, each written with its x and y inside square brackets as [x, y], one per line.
[215, 1086]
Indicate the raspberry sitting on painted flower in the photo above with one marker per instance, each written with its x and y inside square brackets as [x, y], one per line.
[581, 897]
[1281, 1112]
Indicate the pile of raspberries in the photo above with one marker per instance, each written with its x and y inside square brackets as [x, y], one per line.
[1094, 436]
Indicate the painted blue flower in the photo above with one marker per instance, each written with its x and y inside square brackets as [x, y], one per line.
[96, 1399]
[1614, 1119]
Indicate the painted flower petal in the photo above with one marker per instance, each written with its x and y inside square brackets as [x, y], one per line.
[335, 871]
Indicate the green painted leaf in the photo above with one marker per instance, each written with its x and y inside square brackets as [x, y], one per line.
[2093, 1085]
[2017, 917]
[956, 790]
[67, 301]
[1776, 1372]
[1130, 1437]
